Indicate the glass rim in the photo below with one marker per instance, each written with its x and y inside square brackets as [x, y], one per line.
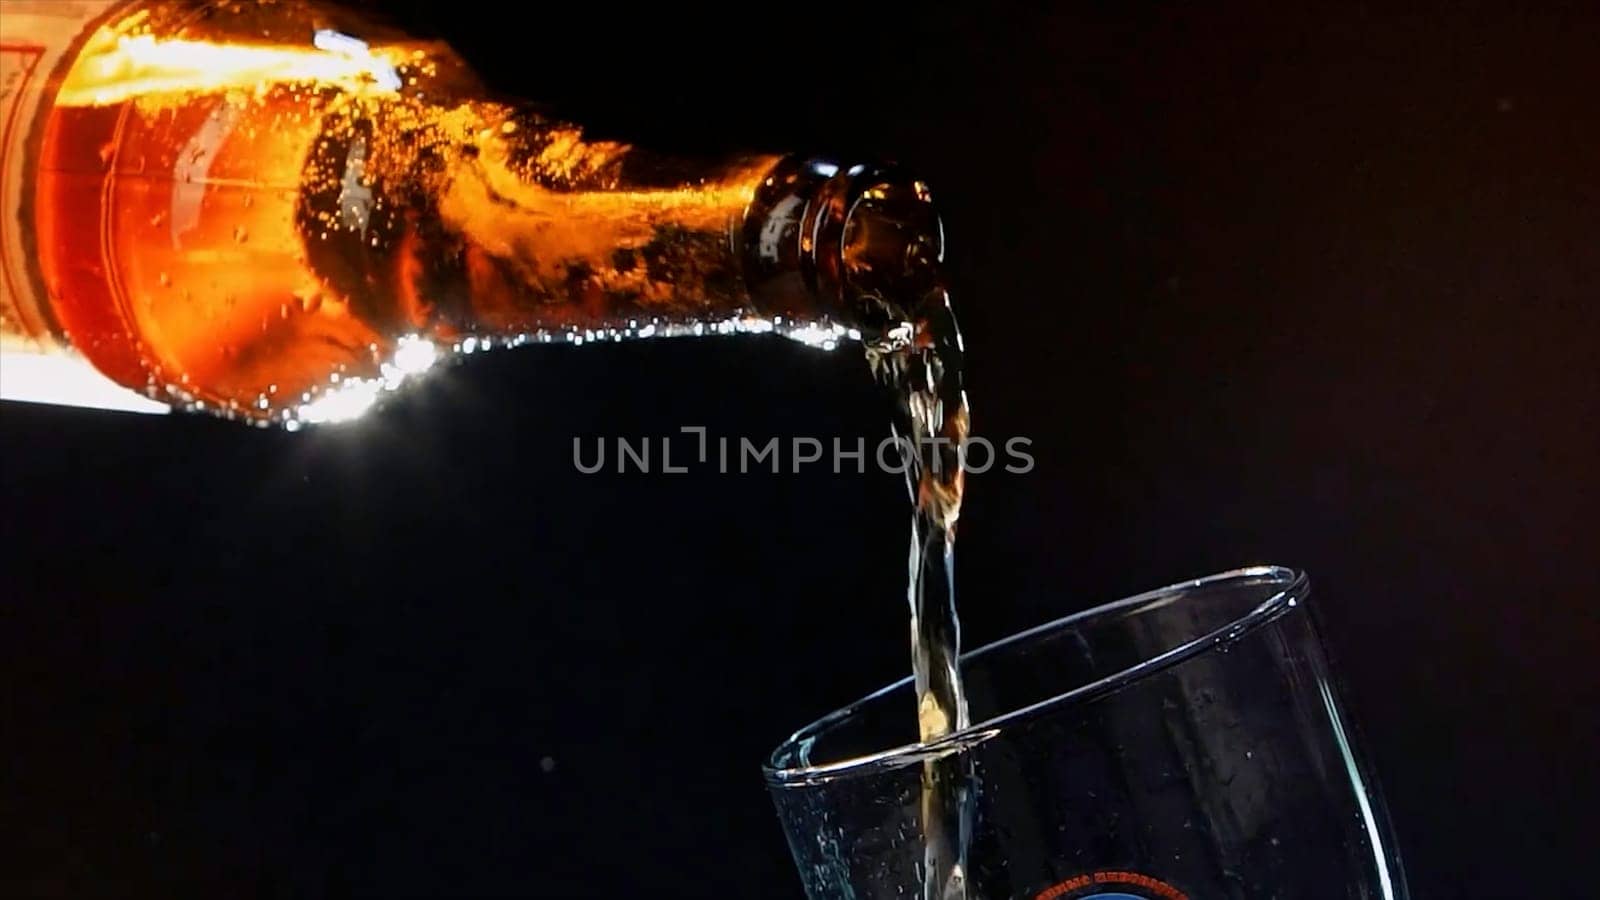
[1292, 588]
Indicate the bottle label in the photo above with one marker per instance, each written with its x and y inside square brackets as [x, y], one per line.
[35, 36]
[37, 39]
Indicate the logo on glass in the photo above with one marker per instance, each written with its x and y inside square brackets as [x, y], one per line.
[1112, 884]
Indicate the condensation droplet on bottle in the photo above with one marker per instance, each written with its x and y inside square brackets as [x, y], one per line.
[239, 234]
[164, 279]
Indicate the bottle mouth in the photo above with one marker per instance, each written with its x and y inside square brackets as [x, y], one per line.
[866, 241]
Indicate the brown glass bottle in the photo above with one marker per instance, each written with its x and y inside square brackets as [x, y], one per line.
[252, 207]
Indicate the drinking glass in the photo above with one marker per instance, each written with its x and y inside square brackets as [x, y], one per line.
[1184, 743]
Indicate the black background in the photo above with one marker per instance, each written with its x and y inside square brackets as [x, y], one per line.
[1316, 290]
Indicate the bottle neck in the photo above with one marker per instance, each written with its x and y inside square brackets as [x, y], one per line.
[487, 219]
[479, 218]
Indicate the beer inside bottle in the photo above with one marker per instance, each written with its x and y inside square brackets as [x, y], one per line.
[268, 211]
